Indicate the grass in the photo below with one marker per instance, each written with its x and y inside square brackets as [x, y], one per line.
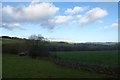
[12, 41]
[0, 65]
[15, 66]
[93, 57]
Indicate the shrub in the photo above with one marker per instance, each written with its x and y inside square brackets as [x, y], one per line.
[38, 49]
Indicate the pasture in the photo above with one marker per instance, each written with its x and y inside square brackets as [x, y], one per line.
[15, 66]
[12, 41]
[0, 65]
[91, 57]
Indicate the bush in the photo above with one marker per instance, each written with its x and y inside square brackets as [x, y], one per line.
[14, 48]
[38, 49]
[10, 48]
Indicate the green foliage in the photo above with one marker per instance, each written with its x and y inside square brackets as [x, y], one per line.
[37, 46]
[33, 47]
[15, 66]
[14, 46]
[38, 49]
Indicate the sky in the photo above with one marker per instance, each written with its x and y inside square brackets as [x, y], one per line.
[61, 21]
[61, 0]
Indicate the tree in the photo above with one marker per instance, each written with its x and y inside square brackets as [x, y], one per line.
[36, 37]
[38, 47]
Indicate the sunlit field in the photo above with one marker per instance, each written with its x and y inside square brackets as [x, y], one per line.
[91, 57]
[15, 66]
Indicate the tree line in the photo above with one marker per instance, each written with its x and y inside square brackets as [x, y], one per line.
[37, 45]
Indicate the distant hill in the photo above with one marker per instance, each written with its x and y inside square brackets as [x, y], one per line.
[61, 42]
[8, 37]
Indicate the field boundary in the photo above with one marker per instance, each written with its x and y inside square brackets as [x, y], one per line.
[105, 69]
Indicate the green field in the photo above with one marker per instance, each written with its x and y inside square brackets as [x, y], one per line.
[15, 66]
[0, 65]
[91, 57]
[12, 41]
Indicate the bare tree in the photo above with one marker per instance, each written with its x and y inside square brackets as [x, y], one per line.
[36, 37]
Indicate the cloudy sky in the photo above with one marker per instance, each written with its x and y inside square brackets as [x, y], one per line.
[62, 21]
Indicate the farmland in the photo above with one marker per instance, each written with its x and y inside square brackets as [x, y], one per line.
[15, 66]
[91, 57]
[47, 39]
[12, 41]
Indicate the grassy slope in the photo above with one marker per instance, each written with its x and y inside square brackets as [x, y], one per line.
[94, 57]
[0, 65]
[0, 58]
[15, 66]
[12, 41]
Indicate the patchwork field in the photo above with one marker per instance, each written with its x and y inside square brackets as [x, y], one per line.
[15, 66]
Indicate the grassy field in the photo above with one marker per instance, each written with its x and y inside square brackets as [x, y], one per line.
[0, 65]
[92, 57]
[15, 66]
[0, 58]
[12, 41]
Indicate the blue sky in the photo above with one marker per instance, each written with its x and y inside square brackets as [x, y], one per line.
[61, 0]
[62, 21]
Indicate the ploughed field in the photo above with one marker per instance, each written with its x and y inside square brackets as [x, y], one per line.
[91, 57]
[15, 66]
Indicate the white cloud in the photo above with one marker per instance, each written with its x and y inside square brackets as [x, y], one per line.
[92, 16]
[77, 16]
[12, 26]
[34, 13]
[113, 25]
[62, 19]
[66, 19]
[74, 10]
[39, 11]
[44, 14]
